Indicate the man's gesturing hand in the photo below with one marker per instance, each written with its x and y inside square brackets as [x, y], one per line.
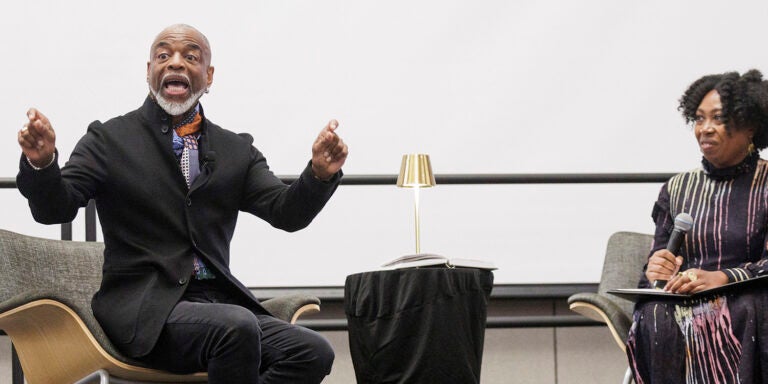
[37, 139]
[328, 152]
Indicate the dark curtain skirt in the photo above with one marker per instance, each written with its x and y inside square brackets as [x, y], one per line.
[424, 325]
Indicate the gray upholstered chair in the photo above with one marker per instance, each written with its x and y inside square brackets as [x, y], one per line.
[45, 293]
[625, 256]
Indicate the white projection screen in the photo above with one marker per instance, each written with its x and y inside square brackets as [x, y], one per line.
[496, 86]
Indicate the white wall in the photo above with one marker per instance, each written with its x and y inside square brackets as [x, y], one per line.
[489, 86]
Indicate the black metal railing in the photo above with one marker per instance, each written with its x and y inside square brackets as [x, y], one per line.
[449, 179]
[512, 178]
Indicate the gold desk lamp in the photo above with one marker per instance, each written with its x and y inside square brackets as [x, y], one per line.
[416, 173]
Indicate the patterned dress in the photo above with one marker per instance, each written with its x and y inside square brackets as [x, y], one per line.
[720, 338]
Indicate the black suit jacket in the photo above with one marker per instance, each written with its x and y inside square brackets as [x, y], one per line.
[152, 223]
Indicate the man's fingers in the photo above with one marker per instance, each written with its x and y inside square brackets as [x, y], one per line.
[328, 132]
[48, 133]
[41, 131]
[28, 136]
[38, 126]
[322, 144]
[328, 138]
[338, 152]
[338, 148]
[37, 131]
[34, 114]
[328, 143]
[43, 118]
[328, 146]
[26, 141]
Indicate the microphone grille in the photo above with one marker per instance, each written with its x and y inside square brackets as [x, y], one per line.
[683, 222]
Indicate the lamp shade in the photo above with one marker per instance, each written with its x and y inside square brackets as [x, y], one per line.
[416, 171]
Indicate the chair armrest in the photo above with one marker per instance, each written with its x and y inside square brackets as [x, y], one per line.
[603, 309]
[290, 307]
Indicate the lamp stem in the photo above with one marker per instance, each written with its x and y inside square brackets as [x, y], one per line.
[416, 212]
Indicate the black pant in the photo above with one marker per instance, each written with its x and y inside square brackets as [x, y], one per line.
[209, 331]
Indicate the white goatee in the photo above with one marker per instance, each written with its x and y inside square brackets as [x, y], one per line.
[176, 108]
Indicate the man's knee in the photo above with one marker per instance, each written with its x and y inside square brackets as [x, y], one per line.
[241, 328]
[326, 356]
[323, 353]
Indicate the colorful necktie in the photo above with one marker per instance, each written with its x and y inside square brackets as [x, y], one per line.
[185, 146]
[189, 160]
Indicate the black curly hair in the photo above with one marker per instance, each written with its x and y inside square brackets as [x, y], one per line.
[744, 99]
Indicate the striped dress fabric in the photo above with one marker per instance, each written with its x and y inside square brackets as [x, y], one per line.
[717, 338]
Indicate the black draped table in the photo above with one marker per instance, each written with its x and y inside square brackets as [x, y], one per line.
[418, 325]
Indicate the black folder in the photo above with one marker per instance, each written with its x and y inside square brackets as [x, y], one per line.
[635, 294]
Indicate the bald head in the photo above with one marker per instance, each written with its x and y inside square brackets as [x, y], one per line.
[176, 30]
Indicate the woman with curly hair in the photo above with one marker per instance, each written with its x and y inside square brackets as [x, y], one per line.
[720, 337]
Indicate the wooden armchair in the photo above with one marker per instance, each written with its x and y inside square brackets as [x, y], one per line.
[45, 293]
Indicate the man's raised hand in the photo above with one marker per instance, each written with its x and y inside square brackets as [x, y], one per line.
[328, 152]
[37, 139]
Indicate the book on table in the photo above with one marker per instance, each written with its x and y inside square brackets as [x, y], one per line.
[433, 260]
[635, 294]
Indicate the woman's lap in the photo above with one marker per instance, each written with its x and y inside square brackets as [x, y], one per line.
[712, 339]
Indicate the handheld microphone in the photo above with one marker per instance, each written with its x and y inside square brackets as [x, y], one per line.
[683, 224]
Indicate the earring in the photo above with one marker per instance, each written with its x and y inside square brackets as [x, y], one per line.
[751, 148]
